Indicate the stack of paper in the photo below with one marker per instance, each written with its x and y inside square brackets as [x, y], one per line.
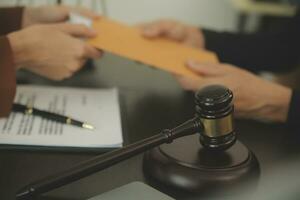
[99, 107]
[134, 190]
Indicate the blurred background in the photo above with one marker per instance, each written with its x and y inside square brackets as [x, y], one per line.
[222, 15]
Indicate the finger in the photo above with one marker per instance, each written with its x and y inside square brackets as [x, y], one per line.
[177, 32]
[57, 13]
[192, 42]
[92, 52]
[204, 69]
[150, 30]
[77, 30]
[76, 65]
[54, 73]
[86, 12]
[160, 28]
[80, 10]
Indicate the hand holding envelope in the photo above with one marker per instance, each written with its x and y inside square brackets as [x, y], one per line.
[127, 41]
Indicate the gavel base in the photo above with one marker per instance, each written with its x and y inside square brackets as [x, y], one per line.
[187, 166]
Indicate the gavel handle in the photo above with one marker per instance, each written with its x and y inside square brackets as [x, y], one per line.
[106, 160]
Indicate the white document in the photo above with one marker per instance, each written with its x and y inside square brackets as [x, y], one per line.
[75, 18]
[134, 190]
[98, 107]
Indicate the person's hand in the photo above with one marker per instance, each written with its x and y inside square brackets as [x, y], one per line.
[254, 97]
[52, 14]
[189, 35]
[52, 51]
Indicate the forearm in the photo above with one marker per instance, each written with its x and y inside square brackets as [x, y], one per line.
[256, 52]
[7, 77]
[10, 19]
[294, 112]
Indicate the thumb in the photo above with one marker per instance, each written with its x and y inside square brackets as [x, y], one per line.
[77, 30]
[149, 30]
[203, 69]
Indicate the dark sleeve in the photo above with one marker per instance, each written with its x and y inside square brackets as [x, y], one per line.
[10, 19]
[7, 77]
[277, 51]
[294, 113]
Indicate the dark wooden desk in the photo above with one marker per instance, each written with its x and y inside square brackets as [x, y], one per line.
[150, 101]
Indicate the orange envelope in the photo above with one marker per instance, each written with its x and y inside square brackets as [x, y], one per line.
[162, 53]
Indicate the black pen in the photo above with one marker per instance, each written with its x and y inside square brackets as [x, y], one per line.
[28, 110]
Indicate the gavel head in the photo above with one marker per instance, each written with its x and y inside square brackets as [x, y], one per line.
[214, 108]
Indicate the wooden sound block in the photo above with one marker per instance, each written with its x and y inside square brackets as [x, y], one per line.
[186, 165]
